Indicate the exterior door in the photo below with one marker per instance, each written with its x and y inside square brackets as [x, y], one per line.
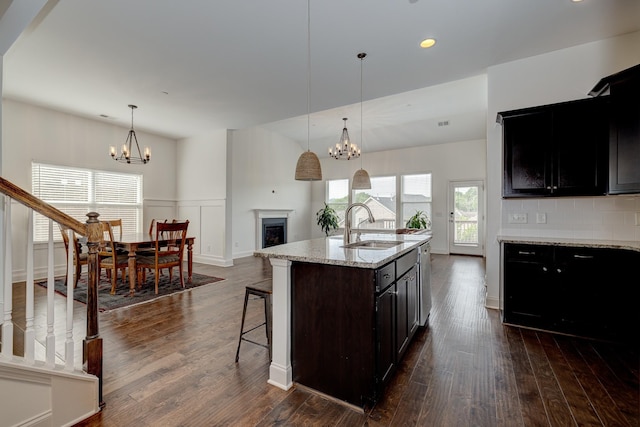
[466, 217]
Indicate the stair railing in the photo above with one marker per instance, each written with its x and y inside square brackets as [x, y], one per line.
[92, 343]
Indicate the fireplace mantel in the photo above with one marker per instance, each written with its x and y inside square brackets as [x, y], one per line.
[268, 213]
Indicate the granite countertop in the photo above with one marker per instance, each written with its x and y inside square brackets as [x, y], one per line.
[591, 243]
[329, 250]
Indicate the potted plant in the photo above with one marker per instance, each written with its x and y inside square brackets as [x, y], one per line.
[327, 219]
[419, 220]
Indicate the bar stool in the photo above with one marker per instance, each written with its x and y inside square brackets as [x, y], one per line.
[259, 290]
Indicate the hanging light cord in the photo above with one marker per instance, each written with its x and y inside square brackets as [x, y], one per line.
[361, 56]
[308, 72]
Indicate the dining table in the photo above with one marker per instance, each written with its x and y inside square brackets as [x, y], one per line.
[134, 242]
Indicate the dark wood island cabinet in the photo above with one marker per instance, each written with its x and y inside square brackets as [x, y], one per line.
[351, 326]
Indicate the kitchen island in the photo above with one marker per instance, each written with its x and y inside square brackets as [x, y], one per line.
[343, 316]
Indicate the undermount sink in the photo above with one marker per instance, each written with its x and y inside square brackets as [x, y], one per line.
[372, 244]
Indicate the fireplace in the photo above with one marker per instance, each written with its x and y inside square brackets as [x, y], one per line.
[274, 231]
[271, 227]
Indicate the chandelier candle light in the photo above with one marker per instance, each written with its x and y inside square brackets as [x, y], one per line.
[345, 149]
[127, 149]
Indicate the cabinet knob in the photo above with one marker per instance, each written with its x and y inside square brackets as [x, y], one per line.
[386, 275]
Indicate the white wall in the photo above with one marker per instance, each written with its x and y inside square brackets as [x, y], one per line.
[201, 187]
[36, 134]
[559, 76]
[447, 162]
[262, 177]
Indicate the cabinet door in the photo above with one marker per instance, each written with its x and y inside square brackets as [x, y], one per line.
[580, 145]
[527, 154]
[385, 325]
[581, 275]
[412, 302]
[528, 285]
[624, 144]
[402, 310]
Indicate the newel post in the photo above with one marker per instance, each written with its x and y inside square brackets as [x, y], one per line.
[92, 344]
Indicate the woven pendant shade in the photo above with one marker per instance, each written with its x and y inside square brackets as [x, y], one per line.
[308, 167]
[361, 180]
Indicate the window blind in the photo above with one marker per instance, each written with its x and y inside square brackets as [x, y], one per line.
[78, 191]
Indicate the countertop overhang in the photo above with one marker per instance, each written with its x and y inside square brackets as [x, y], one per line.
[589, 243]
[329, 250]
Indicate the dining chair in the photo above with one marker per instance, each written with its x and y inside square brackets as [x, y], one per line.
[116, 228]
[170, 239]
[152, 226]
[79, 258]
[107, 259]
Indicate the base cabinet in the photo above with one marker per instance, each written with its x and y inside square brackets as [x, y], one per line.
[589, 292]
[352, 326]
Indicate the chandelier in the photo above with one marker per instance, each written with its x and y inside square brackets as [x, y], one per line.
[345, 149]
[127, 153]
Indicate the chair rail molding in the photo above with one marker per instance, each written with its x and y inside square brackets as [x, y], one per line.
[268, 213]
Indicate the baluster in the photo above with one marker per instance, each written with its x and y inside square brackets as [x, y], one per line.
[69, 357]
[51, 338]
[29, 333]
[7, 323]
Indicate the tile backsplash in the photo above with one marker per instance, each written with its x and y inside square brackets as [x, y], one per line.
[605, 217]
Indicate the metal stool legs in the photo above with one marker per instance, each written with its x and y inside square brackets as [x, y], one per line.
[265, 295]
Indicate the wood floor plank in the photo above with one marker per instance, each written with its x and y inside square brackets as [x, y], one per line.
[576, 398]
[553, 399]
[531, 405]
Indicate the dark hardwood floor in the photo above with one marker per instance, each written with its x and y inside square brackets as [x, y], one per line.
[171, 363]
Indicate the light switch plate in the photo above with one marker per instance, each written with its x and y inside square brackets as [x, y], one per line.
[637, 218]
[517, 218]
[541, 218]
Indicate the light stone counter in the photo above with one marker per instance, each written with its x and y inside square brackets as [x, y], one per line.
[590, 243]
[330, 251]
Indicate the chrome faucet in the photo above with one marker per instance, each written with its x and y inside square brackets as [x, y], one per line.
[347, 220]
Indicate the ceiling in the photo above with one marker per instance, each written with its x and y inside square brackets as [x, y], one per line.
[198, 65]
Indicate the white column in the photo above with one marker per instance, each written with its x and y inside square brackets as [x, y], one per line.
[280, 372]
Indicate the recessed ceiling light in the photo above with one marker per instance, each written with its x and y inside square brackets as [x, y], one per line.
[576, 1]
[427, 43]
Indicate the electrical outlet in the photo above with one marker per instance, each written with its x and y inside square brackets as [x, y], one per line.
[517, 218]
[541, 218]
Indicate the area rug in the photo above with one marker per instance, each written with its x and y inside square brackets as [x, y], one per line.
[107, 302]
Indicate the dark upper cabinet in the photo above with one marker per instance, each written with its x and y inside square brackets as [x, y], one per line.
[624, 148]
[556, 150]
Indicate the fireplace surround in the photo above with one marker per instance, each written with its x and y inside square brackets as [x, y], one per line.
[271, 226]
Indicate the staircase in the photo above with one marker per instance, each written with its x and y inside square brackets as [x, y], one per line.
[42, 383]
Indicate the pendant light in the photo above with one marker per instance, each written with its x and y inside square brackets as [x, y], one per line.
[127, 153]
[308, 166]
[361, 180]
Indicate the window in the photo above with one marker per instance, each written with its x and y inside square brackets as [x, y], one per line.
[78, 191]
[416, 195]
[381, 199]
[337, 196]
